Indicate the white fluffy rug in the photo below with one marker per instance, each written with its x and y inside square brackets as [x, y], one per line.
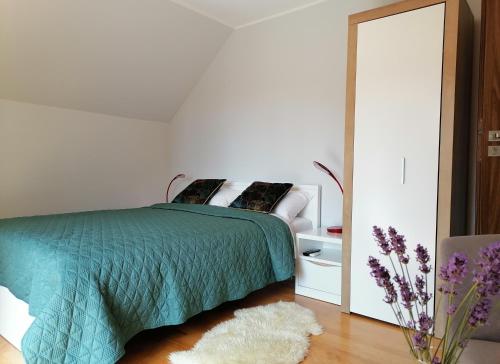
[273, 334]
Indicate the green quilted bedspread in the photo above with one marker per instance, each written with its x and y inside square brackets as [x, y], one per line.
[95, 279]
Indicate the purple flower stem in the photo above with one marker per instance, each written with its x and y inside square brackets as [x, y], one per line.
[459, 354]
[397, 302]
[467, 295]
[410, 310]
[443, 339]
[427, 294]
[440, 299]
[403, 275]
[398, 312]
[449, 345]
[405, 330]
[412, 289]
[438, 347]
[448, 321]
[450, 353]
[463, 323]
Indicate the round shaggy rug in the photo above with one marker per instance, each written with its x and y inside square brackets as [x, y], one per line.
[272, 334]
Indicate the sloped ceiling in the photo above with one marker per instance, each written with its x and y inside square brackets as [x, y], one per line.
[136, 59]
[239, 13]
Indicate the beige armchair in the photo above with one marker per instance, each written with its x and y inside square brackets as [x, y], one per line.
[484, 348]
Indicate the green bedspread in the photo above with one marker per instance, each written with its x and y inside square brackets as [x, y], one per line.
[95, 279]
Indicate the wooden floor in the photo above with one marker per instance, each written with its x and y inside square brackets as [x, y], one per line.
[346, 338]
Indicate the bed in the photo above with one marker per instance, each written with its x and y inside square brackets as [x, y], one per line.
[76, 287]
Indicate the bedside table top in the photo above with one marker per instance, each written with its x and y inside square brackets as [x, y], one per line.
[320, 234]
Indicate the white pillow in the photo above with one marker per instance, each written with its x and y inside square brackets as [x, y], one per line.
[224, 197]
[291, 205]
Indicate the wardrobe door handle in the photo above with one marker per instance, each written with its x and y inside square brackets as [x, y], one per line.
[403, 170]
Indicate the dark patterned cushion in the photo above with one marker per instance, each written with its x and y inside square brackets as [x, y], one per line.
[200, 191]
[261, 196]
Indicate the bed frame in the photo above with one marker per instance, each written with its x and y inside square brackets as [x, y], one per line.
[14, 317]
[14, 313]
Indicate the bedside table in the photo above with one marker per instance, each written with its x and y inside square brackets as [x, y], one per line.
[319, 277]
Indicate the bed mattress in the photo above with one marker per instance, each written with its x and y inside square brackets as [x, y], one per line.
[300, 224]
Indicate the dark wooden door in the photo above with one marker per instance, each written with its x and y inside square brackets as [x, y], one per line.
[488, 146]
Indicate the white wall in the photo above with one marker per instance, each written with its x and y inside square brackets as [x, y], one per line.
[271, 102]
[58, 160]
[136, 59]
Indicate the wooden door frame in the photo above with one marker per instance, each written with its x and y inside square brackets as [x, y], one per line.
[479, 141]
[454, 15]
[484, 124]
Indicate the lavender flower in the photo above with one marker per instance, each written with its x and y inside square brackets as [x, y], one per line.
[420, 288]
[425, 322]
[383, 279]
[456, 269]
[478, 300]
[407, 296]
[381, 240]
[391, 294]
[453, 273]
[378, 271]
[487, 276]
[398, 245]
[451, 309]
[480, 313]
[420, 341]
[423, 258]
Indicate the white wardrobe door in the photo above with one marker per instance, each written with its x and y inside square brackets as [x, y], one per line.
[396, 148]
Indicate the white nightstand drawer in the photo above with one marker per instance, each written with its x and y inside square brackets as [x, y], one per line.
[319, 276]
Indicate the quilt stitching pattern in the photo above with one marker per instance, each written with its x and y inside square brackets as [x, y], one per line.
[95, 279]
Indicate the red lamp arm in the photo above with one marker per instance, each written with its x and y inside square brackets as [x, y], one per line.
[180, 175]
[327, 171]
